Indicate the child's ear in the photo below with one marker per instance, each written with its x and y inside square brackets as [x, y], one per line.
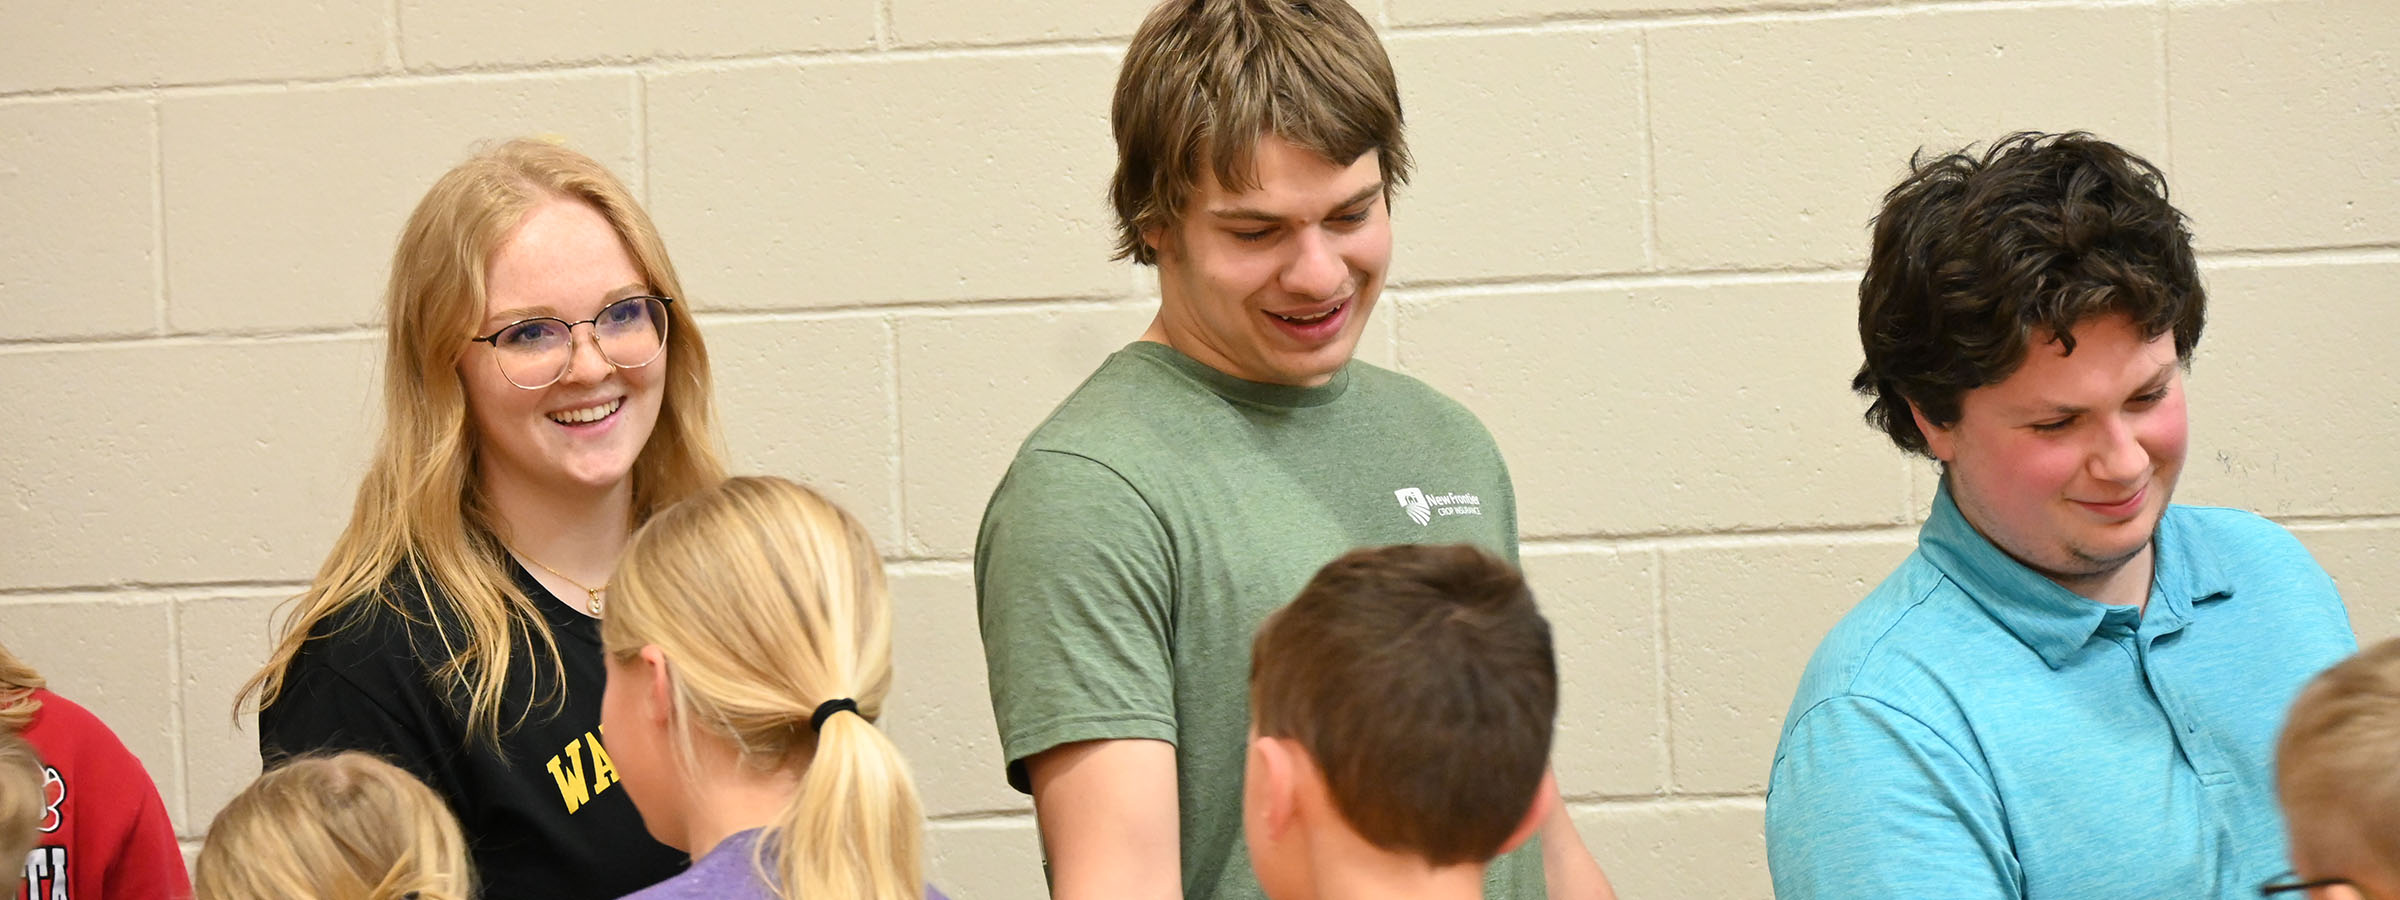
[1273, 788]
[656, 685]
[1545, 802]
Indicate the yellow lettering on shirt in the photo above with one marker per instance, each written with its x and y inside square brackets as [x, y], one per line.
[604, 770]
[570, 779]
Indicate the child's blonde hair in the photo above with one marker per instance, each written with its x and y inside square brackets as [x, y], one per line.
[768, 600]
[2338, 763]
[18, 681]
[343, 827]
[21, 804]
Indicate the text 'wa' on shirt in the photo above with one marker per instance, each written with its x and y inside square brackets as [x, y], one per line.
[542, 809]
[1974, 730]
[1154, 520]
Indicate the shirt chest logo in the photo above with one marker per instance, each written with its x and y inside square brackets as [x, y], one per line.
[1422, 507]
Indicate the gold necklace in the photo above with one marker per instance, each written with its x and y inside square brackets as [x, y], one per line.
[591, 601]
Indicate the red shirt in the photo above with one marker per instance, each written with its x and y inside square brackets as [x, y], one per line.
[105, 834]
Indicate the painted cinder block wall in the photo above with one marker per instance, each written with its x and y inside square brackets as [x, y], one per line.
[1632, 249]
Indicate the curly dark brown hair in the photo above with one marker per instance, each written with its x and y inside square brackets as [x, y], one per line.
[1978, 258]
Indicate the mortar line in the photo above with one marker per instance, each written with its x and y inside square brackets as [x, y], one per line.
[982, 815]
[160, 325]
[665, 64]
[899, 437]
[883, 25]
[1474, 289]
[1660, 659]
[2166, 89]
[1908, 474]
[10, 346]
[641, 133]
[175, 711]
[1694, 800]
[1769, 12]
[1649, 129]
[1680, 539]
[393, 59]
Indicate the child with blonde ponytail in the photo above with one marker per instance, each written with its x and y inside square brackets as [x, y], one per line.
[749, 651]
[342, 827]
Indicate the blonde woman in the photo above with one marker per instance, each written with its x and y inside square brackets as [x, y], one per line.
[749, 653]
[101, 831]
[341, 827]
[545, 392]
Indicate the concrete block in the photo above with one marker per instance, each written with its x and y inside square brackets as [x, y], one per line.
[182, 462]
[917, 23]
[78, 234]
[59, 44]
[941, 707]
[1681, 848]
[987, 859]
[811, 401]
[807, 186]
[2365, 564]
[972, 385]
[2284, 115]
[1638, 410]
[1742, 619]
[1529, 161]
[223, 640]
[2295, 406]
[1602, 611]
[283, 206]
[115, 657]
[451, 34]
[1776, 138]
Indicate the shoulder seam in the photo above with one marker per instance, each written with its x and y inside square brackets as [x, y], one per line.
[1912, 717]
[1850, 684]
[1174, 573]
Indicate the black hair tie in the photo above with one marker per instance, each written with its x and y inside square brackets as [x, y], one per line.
[825, 710]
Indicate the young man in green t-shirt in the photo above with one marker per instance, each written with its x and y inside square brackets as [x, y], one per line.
[1204, 472]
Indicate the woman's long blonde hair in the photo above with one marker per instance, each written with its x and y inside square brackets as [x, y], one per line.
[341, 827]
[21, 807]
[767, 600]
[18, 681]
[420, 506]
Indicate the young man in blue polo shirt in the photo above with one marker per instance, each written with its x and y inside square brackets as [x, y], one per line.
[2072, 688]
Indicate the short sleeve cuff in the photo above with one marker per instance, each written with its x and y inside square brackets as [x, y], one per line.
[1022, 743]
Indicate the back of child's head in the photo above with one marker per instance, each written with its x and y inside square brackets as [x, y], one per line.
[21, 805]
[769, 605]
[2338, 770]
[343, 827]
[1421, 681]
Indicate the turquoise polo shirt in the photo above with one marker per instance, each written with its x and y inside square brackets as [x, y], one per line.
[1973, 730]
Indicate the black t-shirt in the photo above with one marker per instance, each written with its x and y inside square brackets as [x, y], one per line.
[543, 813]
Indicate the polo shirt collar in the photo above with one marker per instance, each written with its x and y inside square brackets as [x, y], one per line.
[2055, 622]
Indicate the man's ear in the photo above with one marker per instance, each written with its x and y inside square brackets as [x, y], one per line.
[1158, 240]
[1274, 786]
[1938, 440]
[656, 686]
[1546, 802]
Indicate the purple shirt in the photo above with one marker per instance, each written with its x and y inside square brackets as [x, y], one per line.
[724, 874]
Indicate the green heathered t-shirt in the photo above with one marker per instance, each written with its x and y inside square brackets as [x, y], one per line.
[1162, 511]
